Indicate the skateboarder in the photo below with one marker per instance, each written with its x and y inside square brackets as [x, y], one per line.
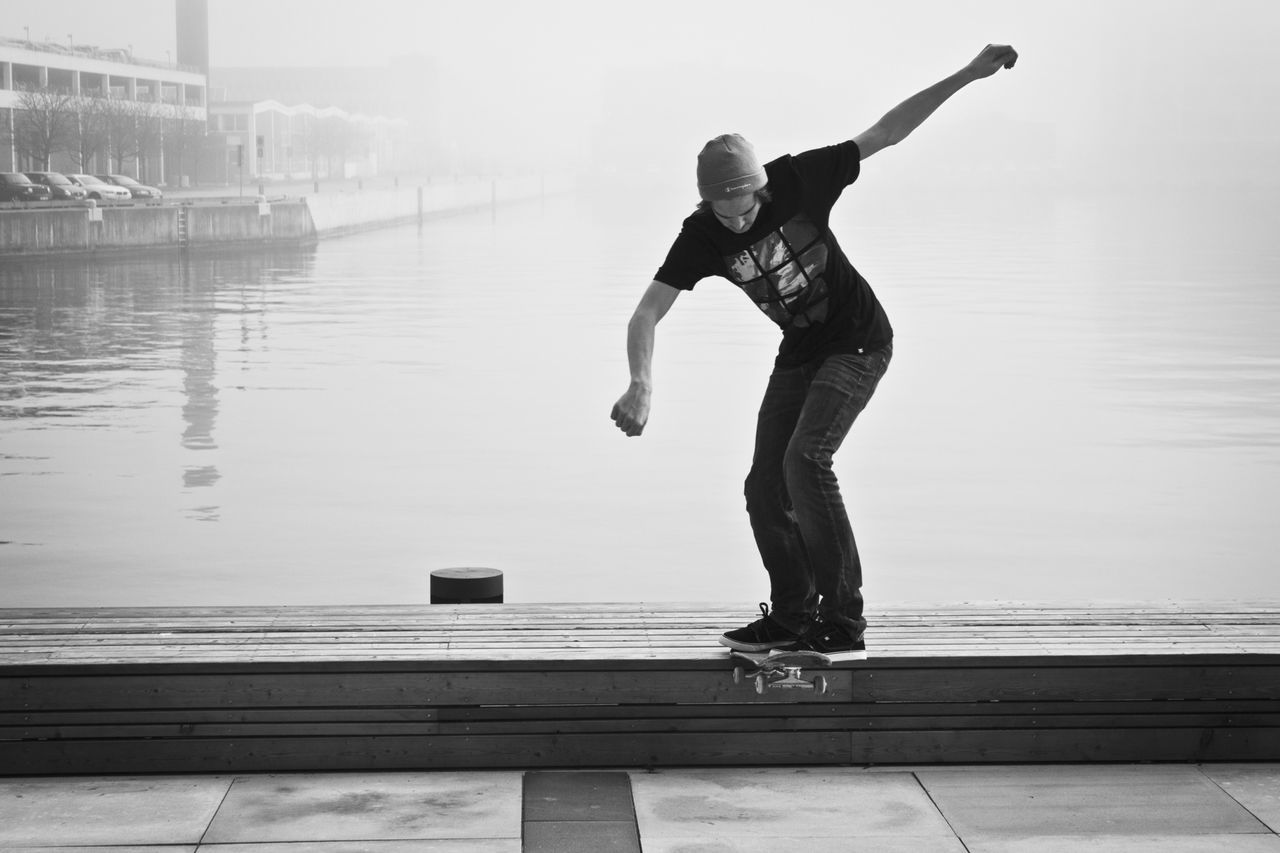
[765, 229]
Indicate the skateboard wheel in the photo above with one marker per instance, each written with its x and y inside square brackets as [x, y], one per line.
[820, 685]
[760, 684]
[737, 675]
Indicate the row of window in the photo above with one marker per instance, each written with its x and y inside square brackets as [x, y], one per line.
[231, 122]
[63, 80]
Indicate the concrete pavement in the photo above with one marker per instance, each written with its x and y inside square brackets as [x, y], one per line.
[981, 809]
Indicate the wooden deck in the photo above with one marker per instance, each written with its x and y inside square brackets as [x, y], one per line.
[505, 686]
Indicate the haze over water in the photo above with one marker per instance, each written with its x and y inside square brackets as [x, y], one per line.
[1083, 405]
[1078, 257]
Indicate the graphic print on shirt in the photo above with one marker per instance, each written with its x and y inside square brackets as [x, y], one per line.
[784, 274]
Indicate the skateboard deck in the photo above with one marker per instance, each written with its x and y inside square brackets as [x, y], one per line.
[781, 670]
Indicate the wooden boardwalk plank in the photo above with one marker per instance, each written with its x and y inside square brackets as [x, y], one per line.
[313, 688]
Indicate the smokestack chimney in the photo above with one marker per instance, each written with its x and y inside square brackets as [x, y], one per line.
[193, 33]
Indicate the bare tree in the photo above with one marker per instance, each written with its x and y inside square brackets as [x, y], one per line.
[92, 134]
[6, 132]
[149, 133]
[44, 124]
[185, 141]
[120, 119]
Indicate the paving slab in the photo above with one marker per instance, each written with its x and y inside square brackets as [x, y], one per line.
[728, 806]
[128, 848]
[577, 795]
[1128, 844]
[983, 804]
[369, 807]
[120, 811]
[444, 845]
[1254, 786]
[824, 844]
[581, 836]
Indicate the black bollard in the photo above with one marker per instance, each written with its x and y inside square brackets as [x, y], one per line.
[466, 586]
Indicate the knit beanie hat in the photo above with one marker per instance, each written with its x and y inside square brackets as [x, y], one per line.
[727, 167]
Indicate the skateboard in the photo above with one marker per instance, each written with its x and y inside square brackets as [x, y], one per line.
[781, 669]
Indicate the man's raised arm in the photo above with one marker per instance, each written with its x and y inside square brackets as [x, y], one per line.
[631, 412]
[908, 115]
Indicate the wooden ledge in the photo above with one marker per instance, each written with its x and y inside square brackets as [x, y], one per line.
[598, 685]
[551, 634]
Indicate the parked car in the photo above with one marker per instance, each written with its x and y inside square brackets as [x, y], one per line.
[15, 186]
[59, 185]
[135, 189]
[101, 190]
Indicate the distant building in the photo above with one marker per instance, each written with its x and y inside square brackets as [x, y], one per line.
[394, 107]
[269, 140]
[405, 87]
[170, 92]
[260, 123]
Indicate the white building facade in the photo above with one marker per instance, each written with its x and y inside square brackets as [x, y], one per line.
[272, 141]
[167, 94]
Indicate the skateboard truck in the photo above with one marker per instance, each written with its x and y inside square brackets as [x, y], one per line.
[782, 670]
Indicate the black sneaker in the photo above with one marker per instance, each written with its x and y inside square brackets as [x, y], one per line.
[832, 641]
[762, 635]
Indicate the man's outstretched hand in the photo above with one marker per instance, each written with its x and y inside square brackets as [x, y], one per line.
[992, 58]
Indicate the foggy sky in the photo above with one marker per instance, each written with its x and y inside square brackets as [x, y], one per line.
[1160, 91]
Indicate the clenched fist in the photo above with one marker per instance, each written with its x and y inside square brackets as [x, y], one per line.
[992, 58]
[631, 412]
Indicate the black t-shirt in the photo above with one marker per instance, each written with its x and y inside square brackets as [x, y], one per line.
[789, 262]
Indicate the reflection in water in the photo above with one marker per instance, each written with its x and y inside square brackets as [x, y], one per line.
[85, 335]
[199, 367]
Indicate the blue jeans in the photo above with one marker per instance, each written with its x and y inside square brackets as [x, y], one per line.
[793, 498]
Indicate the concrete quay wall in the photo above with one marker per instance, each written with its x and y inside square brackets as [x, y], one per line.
[130, 227]
[30, 231]
[52, 230]
[35, 231]
[248, 223]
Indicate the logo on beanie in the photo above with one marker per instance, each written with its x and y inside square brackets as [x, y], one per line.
[740, 187]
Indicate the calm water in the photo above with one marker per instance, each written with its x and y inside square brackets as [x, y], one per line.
[1084, 404]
